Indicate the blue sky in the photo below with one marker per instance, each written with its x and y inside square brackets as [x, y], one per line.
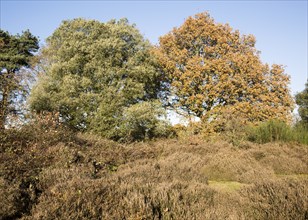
[280, 27]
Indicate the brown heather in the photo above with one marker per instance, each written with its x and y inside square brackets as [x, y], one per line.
[56, 174]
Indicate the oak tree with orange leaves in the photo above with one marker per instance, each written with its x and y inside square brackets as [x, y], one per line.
[214, 71]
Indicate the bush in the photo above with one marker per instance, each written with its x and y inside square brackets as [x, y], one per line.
[23, 154]
[270, 131]
[275, 130]
[43, 129]
[300, 133]
[8, 195]
[61, 175]
[280, 199]
[141, 121]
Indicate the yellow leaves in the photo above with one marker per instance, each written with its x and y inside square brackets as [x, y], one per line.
[211, 65]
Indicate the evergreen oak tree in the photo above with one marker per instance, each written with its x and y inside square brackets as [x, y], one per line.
[213, 71]
[16, 52]
[93, 73]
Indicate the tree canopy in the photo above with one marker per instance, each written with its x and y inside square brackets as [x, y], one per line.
[16, 52]
[213, 70]
[302, 101]
[93, 71]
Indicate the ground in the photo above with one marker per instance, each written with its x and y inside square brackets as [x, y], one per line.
[61, 175]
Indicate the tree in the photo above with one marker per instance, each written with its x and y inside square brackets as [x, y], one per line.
[213, 70]
[140, 122]
[93, 71]
[16, 52]
[302, 101]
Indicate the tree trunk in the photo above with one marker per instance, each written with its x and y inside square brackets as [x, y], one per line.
[4, 103]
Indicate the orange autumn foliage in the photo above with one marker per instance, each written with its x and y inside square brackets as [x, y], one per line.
[213, 70]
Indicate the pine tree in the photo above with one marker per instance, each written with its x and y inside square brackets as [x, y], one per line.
[16, 52]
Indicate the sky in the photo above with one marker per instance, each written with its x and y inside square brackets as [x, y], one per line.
[280, 27]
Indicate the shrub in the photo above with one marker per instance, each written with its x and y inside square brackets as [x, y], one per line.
[141, 121]
[300, 133]
[84, 176]
[8, 195]
[228, 165]
[280, 199]
[275, 130]
[23, 154]
[283, 159]
[270, 131]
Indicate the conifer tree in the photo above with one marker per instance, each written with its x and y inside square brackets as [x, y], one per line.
[16, 52]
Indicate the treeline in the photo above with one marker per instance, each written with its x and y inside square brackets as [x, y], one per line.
[97, 81]
[106, 79]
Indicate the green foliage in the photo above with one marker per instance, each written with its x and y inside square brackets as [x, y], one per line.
[94, 72]
[270, 131]
[302, 100]
[137, 122]
[300, 133]
[140, 121]
[275, 130]
[16, 52]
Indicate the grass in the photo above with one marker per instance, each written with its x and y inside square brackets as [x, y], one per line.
[57, 174]
[228, 186]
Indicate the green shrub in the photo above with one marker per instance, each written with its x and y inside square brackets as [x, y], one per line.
[300, 133]
[275, 130]
[141, 121]
[270, 131]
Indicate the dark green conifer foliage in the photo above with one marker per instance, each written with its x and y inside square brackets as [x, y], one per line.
[16, 52]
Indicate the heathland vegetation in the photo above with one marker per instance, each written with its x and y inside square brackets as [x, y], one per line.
[50, 172]
[90, 139]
